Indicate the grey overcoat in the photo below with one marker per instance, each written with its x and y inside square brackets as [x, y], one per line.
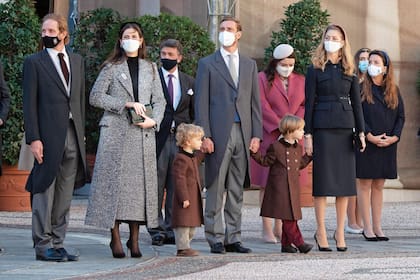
[124, 182]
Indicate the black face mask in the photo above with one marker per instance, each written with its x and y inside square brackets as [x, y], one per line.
[168, 64]
[50, 42]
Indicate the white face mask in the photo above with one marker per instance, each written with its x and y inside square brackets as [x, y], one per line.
[284, 71]
[130, 45]
[226, 38]
[331, 46]
[374, 70]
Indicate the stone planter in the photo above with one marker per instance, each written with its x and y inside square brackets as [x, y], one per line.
[13, 196]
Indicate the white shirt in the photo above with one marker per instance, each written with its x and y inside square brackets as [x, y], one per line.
[56, 60]
[225, 54]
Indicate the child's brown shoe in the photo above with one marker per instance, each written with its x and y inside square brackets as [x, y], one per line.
[187, 253]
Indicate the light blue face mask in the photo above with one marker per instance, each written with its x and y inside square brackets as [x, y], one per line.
[363, 66]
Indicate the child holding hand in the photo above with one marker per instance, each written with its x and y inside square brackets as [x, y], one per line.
[281, 199]
[187, 209]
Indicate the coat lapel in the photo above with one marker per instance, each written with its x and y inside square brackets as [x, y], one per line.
[277, 83]
[220, 65]
[164, 87]
[124, 78]
[48, 64]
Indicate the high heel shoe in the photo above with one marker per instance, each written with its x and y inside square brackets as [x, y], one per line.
[339, 249]
[133, 253]
[369, 238]
[116, 254]
[322, 249]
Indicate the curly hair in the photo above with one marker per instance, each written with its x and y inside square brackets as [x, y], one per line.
[185, 132]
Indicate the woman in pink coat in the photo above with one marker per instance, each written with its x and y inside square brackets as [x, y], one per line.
[282, 92]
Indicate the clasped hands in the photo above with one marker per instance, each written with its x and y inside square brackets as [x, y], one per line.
[382, 140]
[141, 110]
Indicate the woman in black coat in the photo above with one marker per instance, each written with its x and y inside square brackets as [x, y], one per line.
[383, 111]
[332, 111]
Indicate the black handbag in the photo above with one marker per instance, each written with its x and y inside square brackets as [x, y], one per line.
[356, 141]
[135, 118]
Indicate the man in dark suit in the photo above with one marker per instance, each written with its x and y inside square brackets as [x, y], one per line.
[4, 106]
[178, 90]
[54, 114]
[228, 108]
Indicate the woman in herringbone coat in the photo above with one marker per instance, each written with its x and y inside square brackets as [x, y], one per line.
[124, 182]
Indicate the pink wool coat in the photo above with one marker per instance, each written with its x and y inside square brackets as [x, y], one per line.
[275, 103]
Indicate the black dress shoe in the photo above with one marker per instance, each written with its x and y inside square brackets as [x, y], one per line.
[237, 248]
[70, 257]
[305, 248]
[158, 239]
[217, 248]
[382, 238]
[374, 238]
[288, 249]
[51, 255]
[169, 240]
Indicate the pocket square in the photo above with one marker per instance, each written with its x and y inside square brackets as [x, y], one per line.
[190, 92]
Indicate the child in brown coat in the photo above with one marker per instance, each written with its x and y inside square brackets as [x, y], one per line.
[187, 209]
[281, 198]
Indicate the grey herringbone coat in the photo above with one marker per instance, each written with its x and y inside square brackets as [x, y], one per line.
[124, 182]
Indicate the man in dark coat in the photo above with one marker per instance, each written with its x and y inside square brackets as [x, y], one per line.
[54, 114]
[228, 108]
[179, 94]
[4, 106]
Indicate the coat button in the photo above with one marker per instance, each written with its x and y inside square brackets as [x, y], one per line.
[288, 168]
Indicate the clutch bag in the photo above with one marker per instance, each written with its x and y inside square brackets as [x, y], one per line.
[135, 118]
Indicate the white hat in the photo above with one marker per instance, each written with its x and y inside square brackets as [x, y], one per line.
[282, 51]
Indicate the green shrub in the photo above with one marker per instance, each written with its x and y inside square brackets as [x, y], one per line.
[95, 38]
[301, 28]
[19, 36]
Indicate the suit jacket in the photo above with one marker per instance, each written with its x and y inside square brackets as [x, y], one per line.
[282, 193]
[4, 105]
[46, 110]
[216, 99]
[184, 112]
[332, 99]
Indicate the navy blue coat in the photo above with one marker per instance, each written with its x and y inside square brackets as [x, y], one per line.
[376, 162]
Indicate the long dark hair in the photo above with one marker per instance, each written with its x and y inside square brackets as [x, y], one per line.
[388, 84]
[118, 54]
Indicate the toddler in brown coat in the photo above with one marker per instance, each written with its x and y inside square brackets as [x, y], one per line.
[187, 209]
[281, 199]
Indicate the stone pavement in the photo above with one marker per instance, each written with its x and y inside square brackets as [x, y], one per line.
[397, 259]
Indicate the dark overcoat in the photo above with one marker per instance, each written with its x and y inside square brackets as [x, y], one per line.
[217, 98]
[380, 162]
[282, 193]
[46, 110]
[187, 186]
[4, 106]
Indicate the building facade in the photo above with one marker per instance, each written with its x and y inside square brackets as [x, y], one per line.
[382, 24]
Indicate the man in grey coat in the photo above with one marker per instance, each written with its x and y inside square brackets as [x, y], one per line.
[54, 115]
[228, 108]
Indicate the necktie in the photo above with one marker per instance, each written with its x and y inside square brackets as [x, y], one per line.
[232, 69]
[64, 68]
[171, 89]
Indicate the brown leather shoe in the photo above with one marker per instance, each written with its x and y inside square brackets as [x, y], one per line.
[187, 253]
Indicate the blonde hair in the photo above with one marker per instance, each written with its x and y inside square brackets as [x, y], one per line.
[319, 58]
[290, 123]
[62, 24]
[186, 132]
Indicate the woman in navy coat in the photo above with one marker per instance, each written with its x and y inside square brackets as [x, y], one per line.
[383, 111]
